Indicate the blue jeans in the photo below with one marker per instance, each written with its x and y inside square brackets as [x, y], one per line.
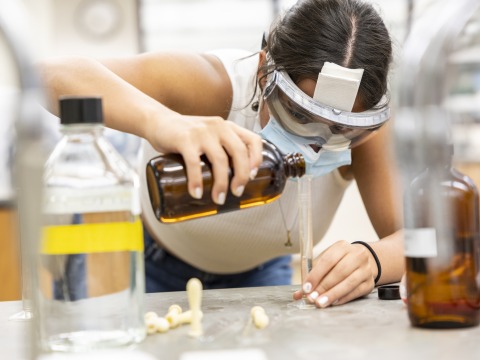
[165, 272]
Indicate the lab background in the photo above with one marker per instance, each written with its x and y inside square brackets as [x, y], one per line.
[121, 27]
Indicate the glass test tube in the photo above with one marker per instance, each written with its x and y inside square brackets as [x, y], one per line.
[305, 225]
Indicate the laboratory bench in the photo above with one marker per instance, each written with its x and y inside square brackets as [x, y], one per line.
[368, 328]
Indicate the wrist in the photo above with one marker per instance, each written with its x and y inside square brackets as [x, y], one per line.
[378, 265]
[154, 124]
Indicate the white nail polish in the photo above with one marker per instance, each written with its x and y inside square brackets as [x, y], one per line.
[313, 295]
[198, 193]
[323, 301]
[307, 287]
[221, 198]
[253, 173]
[239, 190]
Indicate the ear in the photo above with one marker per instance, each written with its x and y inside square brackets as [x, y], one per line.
[261, 60]
[262, 57]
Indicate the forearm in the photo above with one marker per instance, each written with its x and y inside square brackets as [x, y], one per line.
[125, 107]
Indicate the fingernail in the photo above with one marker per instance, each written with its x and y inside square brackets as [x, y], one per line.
[313, 296]
[322, 301]
[307, 287]
[221, 198]
[239, 190]
[198, 193]
[253, 173]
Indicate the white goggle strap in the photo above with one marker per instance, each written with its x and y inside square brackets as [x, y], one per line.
[337, 86]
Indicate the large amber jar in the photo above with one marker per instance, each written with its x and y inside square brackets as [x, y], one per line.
[441, 249]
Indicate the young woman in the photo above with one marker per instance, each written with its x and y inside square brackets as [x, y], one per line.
[333, 54]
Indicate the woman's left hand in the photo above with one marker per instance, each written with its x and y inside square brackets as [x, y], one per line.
[341, 273]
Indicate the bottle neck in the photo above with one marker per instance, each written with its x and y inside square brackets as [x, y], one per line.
[294, 165]
[77, 129]
[445, 165]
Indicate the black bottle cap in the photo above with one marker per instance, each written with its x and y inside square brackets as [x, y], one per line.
[389, 292]
[80, 110]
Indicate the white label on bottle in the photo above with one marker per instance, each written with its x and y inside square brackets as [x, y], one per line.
[69, 201]
[420, 243]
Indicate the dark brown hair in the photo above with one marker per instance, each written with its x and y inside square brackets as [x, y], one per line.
[349, 33]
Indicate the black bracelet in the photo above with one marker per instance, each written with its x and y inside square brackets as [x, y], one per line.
[379, 267]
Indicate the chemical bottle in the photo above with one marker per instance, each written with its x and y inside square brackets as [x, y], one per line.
[441, 248]
[90, 285]
[171, 201]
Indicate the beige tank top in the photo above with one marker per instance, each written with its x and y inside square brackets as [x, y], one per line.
[241, 240]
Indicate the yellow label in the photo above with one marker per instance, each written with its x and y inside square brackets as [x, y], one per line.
[92, 238]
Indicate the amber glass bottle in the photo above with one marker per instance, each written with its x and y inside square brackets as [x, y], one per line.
[171, 202]
[441, 249]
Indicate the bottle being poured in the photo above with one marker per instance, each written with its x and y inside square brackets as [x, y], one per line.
[171, 202]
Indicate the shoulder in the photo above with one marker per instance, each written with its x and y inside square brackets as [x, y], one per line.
[374, 159]
[241, 67]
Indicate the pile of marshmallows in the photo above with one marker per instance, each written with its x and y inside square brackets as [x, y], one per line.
[175, 317]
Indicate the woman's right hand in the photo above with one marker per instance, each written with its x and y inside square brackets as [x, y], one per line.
[153, 89]
[219, 140]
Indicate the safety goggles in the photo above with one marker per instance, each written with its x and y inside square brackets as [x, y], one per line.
[327, 127]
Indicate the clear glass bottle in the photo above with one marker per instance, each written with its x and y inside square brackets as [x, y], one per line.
[171, 202]
[90, 286]
[441, 241]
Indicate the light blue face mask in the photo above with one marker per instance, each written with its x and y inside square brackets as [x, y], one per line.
[318, 163]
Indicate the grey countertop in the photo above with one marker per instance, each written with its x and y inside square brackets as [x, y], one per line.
[367, 328]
